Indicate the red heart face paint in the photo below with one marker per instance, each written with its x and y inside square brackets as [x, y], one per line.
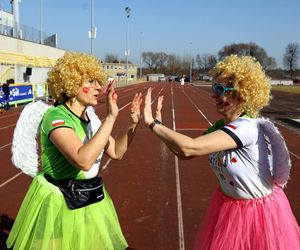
[86, 89]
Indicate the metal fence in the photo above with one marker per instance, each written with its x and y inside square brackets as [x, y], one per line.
[26, 33]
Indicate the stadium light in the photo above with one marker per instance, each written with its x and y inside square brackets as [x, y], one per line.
[93, 31]
[127, 10]
[141, 59]
[191, 63]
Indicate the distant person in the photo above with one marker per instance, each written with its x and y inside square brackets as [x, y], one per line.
[6, 91]
[67, 205]
[182, 81]
[249, 209]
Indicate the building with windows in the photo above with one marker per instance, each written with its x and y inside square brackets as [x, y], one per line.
[118, 71]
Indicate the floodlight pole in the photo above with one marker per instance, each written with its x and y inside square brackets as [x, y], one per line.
[141, 59]
[191, 63]
[127, 10]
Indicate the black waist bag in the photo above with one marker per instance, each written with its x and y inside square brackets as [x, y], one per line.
[79, 193]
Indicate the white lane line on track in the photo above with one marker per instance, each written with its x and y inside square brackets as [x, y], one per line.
[204, 94]
[103, 168]
[11, 179]
[4, 146]
[8, 126]
[293, 154]
[178, 192]
[125, 106]
[197, 108]
[8, 115]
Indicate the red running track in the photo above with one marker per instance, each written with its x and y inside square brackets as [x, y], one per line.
[160, 200]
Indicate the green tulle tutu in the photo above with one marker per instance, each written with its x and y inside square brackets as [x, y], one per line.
[45, 222]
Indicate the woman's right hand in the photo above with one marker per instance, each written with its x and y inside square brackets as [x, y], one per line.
[112, 97]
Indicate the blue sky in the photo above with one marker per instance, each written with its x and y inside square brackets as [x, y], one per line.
[172, 26]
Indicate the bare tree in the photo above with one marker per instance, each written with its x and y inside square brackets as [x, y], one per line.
[149, 59]
[291, 57]
[206, 62]
[249, 49]
[164, 63]
[111, 58]
[161, 59]
[186, 63]
[199, 61]
[174, 65]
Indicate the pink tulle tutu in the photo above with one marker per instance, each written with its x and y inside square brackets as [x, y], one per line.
[261, 224]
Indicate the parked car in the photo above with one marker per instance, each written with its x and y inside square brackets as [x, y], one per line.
[187, 79]
[162, 79]
[178, 78]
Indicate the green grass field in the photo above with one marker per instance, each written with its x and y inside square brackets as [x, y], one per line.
[291, 89]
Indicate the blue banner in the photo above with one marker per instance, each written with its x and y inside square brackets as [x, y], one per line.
[18, 93]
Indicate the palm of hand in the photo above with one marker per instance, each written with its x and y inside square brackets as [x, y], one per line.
[113, 107]
[159, 107]
[147, 109]
[135, 108]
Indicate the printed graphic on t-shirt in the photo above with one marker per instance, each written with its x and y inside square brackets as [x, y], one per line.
[217, 161]
[57, 123]
[232, 126]
[241, 171]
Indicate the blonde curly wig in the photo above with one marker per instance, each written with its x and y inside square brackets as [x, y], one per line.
[249, 80]
[69, 73]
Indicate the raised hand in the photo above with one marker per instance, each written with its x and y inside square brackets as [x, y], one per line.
[148, 118]
[112, 97]
[158, 108]
[135, 108]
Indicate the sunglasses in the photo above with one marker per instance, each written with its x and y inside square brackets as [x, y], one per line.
[220, 89]
[93, 83]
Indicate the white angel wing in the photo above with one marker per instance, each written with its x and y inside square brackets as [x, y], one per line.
[280, 162]
[24, 145]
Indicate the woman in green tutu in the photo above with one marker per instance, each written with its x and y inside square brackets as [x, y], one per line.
[67, 206]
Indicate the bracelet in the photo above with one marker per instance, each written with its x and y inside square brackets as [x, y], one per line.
[155, 121]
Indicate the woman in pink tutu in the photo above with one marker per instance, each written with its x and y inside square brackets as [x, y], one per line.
[249, 209]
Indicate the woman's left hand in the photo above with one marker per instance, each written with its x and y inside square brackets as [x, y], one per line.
[135, 108]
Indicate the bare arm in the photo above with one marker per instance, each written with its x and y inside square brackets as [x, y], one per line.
[183, 146]
[82, 155]
[186, 147]
[117, 147]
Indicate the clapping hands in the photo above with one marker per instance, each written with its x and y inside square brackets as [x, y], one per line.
[135, 108]
[148, 118]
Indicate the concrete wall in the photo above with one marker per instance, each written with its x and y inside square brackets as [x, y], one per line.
[22, 47]
[10, 44]
[39, 75]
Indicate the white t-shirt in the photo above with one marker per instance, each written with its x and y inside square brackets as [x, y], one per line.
[244, 172]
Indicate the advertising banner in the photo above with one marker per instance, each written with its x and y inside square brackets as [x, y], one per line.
[18, 94]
